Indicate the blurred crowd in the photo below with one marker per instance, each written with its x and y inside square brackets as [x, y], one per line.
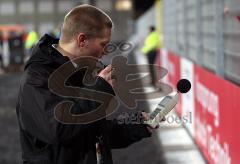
[16, 43]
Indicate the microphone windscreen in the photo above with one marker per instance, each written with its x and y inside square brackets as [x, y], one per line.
[183, 85]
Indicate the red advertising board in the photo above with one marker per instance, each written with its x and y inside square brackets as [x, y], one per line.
[216, 117]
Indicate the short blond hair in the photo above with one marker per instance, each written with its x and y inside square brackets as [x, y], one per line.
[87, 19]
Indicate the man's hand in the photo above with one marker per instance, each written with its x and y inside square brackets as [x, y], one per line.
[146, 118]
[106, 74]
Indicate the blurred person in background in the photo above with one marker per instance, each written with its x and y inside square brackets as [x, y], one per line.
[1, 52]
[86, 31]
[31, 40]
[151, 47]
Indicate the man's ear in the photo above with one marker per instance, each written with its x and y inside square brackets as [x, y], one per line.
[81, 39]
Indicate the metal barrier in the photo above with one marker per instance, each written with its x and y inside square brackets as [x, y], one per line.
[206, 32]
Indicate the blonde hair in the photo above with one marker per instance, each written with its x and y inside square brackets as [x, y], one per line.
[87, 19]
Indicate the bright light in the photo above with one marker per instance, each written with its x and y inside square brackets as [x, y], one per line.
[123, 5]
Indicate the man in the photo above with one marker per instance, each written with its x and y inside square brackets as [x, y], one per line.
[86, 31]
[151, 46]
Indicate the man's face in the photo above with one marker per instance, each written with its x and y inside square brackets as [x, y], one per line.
[95, 46]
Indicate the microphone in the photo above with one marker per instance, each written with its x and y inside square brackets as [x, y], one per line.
[168, 103]
[183, 86]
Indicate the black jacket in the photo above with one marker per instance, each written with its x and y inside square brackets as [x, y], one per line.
[44, 140]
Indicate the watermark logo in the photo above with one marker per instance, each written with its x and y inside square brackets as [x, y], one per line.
[137, 118]
[101, 102]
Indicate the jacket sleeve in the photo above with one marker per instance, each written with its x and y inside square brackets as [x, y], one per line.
[36, 109]
[122, 135]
